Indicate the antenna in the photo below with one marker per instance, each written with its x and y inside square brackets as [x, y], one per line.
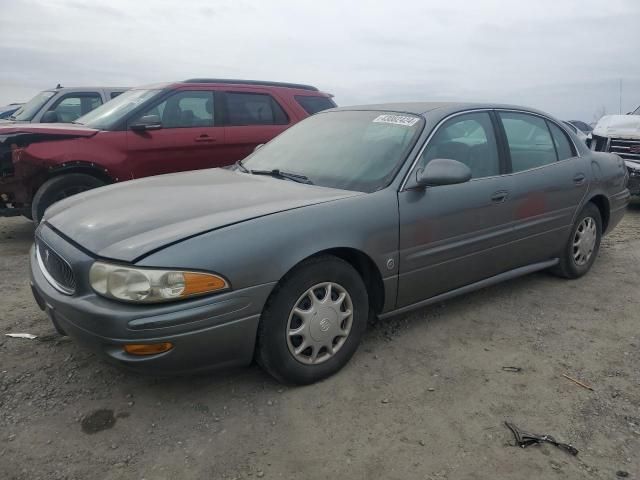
[620, 97]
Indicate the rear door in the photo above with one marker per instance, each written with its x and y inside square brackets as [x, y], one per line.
[454, 235]
[189, 137]
[547, 184]
[251, 118]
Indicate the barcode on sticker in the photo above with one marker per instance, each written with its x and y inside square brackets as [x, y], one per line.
[397, 120]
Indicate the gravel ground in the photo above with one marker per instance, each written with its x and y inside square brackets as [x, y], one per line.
[425, 396]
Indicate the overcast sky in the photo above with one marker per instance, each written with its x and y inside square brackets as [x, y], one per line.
[563, 56]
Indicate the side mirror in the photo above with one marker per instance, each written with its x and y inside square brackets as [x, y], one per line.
[443, 171]
[148, 122]
[49, 117]
[258, 147]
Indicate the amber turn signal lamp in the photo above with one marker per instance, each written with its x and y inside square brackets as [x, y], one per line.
[148, 348]
[195, 283]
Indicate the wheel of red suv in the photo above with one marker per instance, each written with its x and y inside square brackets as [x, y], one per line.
[583, 245]
[313, 322]
[57, 188]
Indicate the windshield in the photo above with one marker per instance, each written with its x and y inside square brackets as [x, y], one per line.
[29, 109]
[351, 150]
[637, 111]
[109, 114]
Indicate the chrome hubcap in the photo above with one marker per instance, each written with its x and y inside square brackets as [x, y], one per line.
[319, 323]
[584, 241]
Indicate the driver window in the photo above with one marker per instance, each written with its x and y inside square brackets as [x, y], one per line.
[184, 110]
[469, 139]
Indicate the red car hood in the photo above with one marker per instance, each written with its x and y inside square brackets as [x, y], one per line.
[47, 129]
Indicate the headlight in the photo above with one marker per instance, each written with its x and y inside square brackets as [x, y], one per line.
[147, 285]
[633, 167]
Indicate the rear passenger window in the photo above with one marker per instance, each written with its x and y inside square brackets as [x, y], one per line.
[313, 104]
[529, 140]
[563, 146]
[469, 139]
[254, 109]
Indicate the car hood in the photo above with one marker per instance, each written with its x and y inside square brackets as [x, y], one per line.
[23, 134]
[128, 220]
[618, 126]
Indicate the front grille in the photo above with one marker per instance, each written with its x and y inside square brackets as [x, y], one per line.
[56, 269]
[634, 185]
[629, 149]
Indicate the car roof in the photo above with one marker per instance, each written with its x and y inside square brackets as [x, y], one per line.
[422, 108]
[261, 83]
[84, 89]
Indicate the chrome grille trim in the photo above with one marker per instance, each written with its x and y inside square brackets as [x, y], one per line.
[55, 269]
[623, 148]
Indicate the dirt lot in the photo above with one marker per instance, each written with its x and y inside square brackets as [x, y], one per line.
[425, 397]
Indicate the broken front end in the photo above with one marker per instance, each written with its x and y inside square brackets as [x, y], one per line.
[620, 134]
[15, 187]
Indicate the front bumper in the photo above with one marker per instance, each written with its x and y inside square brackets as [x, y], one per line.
[207, 332]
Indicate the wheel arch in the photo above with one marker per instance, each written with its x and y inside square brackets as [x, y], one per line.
[88, 168]
[602, 202]
[365, 267]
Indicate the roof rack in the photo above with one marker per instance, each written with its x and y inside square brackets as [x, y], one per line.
[251, 82]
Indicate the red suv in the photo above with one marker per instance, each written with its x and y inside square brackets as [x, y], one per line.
[198, 123]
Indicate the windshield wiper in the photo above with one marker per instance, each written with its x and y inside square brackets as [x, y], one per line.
[276, 173]
[240, 165]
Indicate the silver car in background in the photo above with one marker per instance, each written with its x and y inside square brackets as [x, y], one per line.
[63, 104]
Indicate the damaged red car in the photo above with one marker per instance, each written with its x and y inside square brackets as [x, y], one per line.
[189, 125]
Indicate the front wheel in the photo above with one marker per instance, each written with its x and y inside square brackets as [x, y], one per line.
[313, 322]
[57, 188]
[583, 245]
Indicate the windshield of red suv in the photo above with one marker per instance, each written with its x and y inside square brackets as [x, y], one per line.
[33, 106]
[351, 150]
[106, 116]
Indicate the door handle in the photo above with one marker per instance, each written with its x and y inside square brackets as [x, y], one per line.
[499, 197]
[579, 179]
[205, 138]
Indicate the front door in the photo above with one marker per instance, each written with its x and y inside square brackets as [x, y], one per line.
[454, 235]
[188, 138]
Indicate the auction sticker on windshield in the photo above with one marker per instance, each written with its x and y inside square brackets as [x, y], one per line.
[397, 120]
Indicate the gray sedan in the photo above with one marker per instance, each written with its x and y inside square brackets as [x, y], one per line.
[354, 212]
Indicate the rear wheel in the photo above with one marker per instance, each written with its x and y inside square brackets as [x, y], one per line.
[583, 245]
[313, 321]
[57, 188]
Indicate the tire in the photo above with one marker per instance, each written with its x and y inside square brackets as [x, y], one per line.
[322, 323]
[57, 188]
[572, 265]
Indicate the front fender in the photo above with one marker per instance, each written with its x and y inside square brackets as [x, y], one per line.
[264, 249]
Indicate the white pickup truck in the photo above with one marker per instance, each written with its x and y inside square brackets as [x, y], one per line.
[620, 134]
